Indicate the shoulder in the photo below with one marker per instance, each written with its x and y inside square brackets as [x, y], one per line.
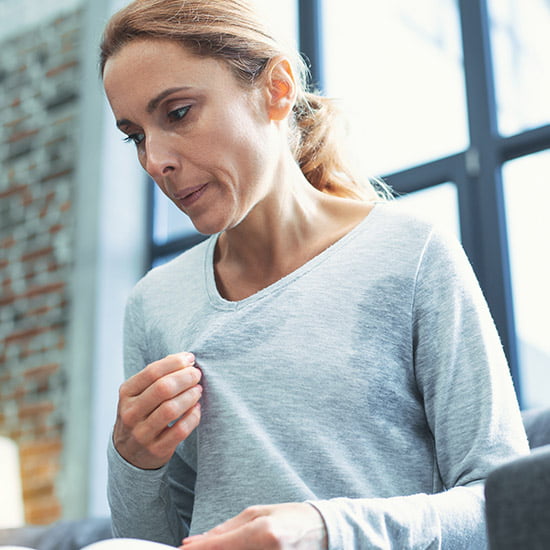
[407, 244]
[394, 212]
[184, 269]
[405, 226]
[398, 233]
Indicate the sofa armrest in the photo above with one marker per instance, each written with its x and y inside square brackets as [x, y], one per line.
[518, 503]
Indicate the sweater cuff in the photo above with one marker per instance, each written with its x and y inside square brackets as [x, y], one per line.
[124, 474]
[405, 522]
[335, 539]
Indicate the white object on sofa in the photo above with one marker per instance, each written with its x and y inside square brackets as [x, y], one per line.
[112, 544]
[11, 497]
[128, 544]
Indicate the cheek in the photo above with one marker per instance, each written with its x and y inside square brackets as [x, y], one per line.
[246, 130]
[252, 145]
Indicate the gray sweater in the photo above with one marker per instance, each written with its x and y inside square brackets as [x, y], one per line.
[370, 382]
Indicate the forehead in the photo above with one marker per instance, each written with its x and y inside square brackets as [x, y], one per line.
[147, 66]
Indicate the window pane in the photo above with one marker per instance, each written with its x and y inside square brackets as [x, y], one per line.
[437, 204]
[396, 67]
[527, 195]
[282, 19]
[520, 33]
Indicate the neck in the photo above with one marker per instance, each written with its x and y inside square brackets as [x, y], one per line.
[287, 228]
[283, 221]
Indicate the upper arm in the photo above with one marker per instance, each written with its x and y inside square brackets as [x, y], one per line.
[461, 368]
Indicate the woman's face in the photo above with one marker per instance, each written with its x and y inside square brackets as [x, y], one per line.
[206, 141]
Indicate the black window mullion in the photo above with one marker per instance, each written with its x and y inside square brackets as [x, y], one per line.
[310, 32]
[175, 246]
[525, 143]
[487, 244]
[425, 175]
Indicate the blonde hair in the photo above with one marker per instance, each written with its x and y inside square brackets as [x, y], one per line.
[229, 30]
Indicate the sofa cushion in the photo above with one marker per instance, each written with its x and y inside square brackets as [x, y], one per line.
[537, 426]
[62, 535]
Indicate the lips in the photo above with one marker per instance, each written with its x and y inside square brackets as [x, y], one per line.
[190, 195]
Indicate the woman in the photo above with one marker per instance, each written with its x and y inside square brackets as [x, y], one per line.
[323, 371]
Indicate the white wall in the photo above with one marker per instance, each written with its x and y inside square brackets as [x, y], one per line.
[11, 497]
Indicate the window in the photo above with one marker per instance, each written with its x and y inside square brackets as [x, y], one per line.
[426, 106]
[448, 102]
[396, 68]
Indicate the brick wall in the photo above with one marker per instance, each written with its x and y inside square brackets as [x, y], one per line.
[39, 104]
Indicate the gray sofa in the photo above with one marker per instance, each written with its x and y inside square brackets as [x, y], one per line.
[62, 535]
[518, 493]
[518, 505]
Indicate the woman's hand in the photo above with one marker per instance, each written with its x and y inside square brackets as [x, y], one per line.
[296, 526]
[157, 409]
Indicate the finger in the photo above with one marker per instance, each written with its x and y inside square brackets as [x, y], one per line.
[152, 427]
[249, 536]
[165, 444]
[168, 412]
[133, 410]
[165, 389]
[148, 449]
[152, 372]
[246, 516]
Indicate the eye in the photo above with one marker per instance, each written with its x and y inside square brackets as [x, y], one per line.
[178, 114]
[134, 138]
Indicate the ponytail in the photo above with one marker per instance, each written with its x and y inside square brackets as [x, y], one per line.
[318, 151]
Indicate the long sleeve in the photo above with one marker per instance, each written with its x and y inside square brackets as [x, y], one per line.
[141, 501]
[471, 410]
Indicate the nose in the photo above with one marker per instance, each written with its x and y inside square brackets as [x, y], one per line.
[160, 158]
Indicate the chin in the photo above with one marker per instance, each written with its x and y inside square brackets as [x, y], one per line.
[209, 227]
[212, 219]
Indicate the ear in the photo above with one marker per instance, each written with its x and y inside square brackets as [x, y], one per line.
[280, 88]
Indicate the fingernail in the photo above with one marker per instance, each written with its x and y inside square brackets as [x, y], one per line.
[187, 356]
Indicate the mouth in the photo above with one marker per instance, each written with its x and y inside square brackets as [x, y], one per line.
[191, 195]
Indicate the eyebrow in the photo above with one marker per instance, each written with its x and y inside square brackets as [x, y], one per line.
[154, 103]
